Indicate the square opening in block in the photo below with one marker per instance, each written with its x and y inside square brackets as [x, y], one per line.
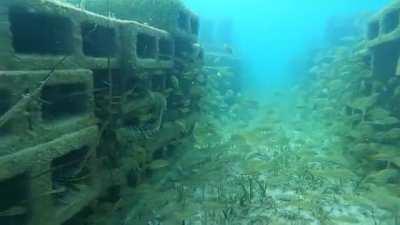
[373, 30]
[183, 47]
[183, 21]
[112, 194]
[83, 217]
[60, 101]
[108, 82]
[166, 48]
[390, 21]
[194, 24]
[14, 204]
[5, 105]
[36, 33]
[70, 174]
[385, 59]
[105, 79]
[99, 41]
[158, 82]
[146, 46]
[130, 82]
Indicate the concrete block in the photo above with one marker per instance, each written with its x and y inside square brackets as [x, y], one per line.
[58, 177]
[147, 47]
[383, 41]
[39, 35]
[14, 194]
[65, 104]
[169, 15]
[384, 26]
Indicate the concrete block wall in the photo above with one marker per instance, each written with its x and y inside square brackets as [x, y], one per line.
[149, 47]
[383, 40]
[169, 15]
[51, 177]
[38, 34]
[80, 65]
[65, 104]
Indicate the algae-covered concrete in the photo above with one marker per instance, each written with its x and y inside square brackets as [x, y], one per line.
[383, 40]
[169, 15]
[86, 101]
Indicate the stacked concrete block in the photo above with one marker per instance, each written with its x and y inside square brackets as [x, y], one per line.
[48, 145]
[65, 75]
[53, 175]
[169, 15]
[47, 138]
[383, 39]
[64, 105]
[38, 35]
[148, 47]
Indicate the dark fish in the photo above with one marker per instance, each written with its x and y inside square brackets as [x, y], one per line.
[158, 164]
[13, 211]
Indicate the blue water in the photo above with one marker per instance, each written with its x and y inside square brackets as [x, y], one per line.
[271, 36]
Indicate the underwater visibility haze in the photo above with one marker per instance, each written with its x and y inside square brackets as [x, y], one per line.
[270, 35]
[199, 112]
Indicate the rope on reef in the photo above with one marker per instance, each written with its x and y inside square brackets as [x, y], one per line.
[27, 98]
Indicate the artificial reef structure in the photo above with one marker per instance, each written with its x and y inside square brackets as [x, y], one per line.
[89, 97]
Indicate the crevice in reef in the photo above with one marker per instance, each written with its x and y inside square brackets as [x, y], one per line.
[194, 25]
[385, 59]
[146, 46]
[373, 30]
[183, 21]
[70, 175]
[5, 105]
[61, 101]
[14, 195]
[391, 21]
[166, 48]
[99, 41]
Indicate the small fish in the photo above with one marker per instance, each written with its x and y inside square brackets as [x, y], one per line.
[174, 82]
[382, 176]
[217, 60]
[250, 104]
[58, 190]
[13, 211]
[158, 164]
[300, 106]
[106, 83]
[346, 219]
[184, 110]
